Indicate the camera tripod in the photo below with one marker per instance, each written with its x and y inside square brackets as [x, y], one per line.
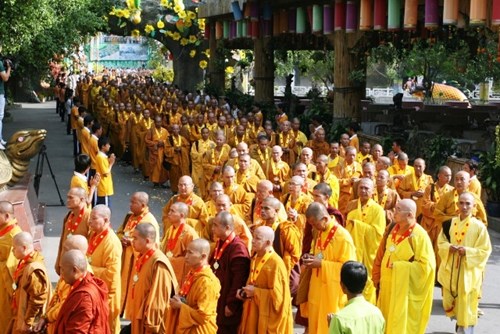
[42, 156]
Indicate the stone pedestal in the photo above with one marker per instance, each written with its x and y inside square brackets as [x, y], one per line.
[30, 214]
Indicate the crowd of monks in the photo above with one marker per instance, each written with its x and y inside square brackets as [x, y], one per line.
[262, 218]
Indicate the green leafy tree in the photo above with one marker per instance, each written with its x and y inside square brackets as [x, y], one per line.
[174, 24]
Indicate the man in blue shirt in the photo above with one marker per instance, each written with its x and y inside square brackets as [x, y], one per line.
[358, 316]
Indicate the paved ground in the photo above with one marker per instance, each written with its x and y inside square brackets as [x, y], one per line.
[60, 151]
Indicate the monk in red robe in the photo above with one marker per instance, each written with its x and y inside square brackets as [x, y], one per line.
[231, 264]
[86, 307]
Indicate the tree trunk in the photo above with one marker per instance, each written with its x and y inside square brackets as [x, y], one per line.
[264, 70]
[348, 94]
[216, 77]
[187, 71]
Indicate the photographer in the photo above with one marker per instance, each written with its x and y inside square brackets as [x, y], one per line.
[5, 69]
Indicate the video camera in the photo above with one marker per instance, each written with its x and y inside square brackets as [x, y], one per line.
[7, 62]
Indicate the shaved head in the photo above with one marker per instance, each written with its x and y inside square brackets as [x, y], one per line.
[79, 192]
[146, 231]
[200, 245]
[272, 202]
[182, 208]
[142, 197]
[265, 184]
[317, 211]
[186, 179]
[78, 242]
[6, 207]
[297, 180]
[76, 259]
[225, 219]
[265, 232]
[23, 239]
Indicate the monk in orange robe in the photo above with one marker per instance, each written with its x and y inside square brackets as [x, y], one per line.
[152, 285]
[77, 219]
[197, 215]
[267, 304]
[177, 155]
[31, 285]
[8, 263]
[177, 237]
[139, 214]
[194, 308]
[104, 255]
[156, 139]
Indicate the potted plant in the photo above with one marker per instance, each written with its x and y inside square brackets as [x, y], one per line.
[489, 172]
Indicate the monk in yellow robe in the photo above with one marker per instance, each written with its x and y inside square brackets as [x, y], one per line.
[267, 304]
[299, 137]
[245, 177]
[76, 220]
[277, 171]
[31, 286]
[334, 157]
[215, 159]
[261, 152]
[8, 263]
[177, 154]
[347, 172]
[366, 225]
[139, 214]
[104, 255]
[464, 252]
[384, 196]
[364, 153]
[400, 169]
[296, 203]
[413, 185]
[194, 308]
[143, 127]
[472, 167]
[155, 140]
[223, 203]
[264, 190]
[152, 285]
[177, 237]
[325, 175]
[406, 273]
[133, 123]
[62, 290]
[239, 197]
[432, 195]
[286, 141]
[288, 237]
[447, 206]
[331, 247]
[198, 150]
[197, 216]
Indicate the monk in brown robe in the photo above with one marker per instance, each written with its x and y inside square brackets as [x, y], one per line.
[177, 237]
[76, 221]
[31, 286]
[194, 308]
[177, 154]
[152, 285]
[155, 140]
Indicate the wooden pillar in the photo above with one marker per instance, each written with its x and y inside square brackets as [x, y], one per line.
[264, 70]
[215, 75]
[348, 95]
